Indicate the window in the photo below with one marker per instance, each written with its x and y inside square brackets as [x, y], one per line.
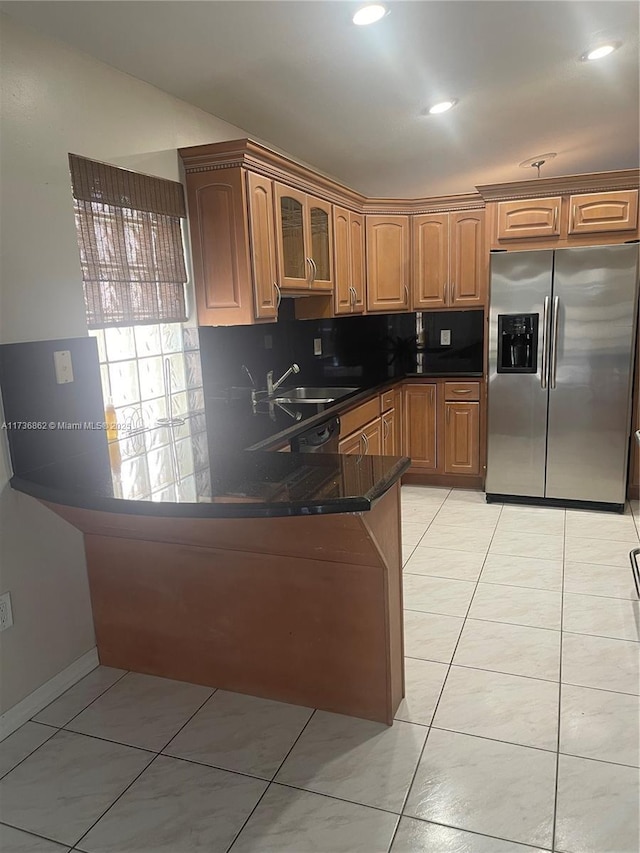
[130, 241]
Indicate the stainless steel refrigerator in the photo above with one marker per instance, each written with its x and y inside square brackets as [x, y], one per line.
[561, 350]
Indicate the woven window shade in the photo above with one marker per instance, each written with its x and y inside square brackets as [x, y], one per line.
[130, 242]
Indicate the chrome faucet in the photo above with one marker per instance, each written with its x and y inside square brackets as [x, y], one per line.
[272, 386]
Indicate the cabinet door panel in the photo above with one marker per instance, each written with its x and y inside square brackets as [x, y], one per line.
[389, 433]
[420, 426]
[295, 271]
[537, 217]
[373, 438]
[462, 438]
[388, 241]
[358, 271]
[319, 246]
[468, 264]
[263, 249]
[593, 213]
[430, 260]
[352, 444]
[343, 302]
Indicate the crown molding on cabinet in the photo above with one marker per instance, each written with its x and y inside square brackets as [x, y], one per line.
[265, 161]
[563, 185]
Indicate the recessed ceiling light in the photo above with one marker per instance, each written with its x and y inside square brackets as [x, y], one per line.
[442, 106]
[369, 14]
[599, 52]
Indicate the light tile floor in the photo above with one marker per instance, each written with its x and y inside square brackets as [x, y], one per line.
[519, 731]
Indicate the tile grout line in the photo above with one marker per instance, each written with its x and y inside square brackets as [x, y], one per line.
[444, 683]
[144, 769]
[270, 782]
[533, 677]
[33, 751]
[57, 729]
[95, 699]
[413, 775]
[557, 774]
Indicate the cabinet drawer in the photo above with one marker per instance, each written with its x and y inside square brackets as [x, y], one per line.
[593, 213]
[534, 217]
[357, 418]
[387, 400]
[463, 391]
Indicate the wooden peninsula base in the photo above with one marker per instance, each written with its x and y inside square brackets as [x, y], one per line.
[304, 609]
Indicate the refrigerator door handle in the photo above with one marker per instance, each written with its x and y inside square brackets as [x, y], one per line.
[545, 343]
[553, 358]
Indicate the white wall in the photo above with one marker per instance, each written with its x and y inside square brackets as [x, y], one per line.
[55, 101]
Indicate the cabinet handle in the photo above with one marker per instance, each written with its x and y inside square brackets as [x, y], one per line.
[575, 214]
[366, 443]
[385, 430]
[352, 293]
[406, 294]
[461, 391]
[555, 217]
[314, 270]
[452, 297]
[310, 276]
[278, 295]
[448, 414]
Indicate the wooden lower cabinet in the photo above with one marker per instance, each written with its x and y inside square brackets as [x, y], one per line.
[366, 441]
[442, 432]
[390, 434]
[462, 438]
[420, 425]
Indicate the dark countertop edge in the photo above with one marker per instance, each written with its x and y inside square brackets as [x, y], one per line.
[159, 509]
[344, 403]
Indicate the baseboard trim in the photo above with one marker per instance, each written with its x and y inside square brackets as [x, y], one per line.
[50, 690]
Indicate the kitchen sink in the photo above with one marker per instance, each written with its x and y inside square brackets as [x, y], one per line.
[306, 394]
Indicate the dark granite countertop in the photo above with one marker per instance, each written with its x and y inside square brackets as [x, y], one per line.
[233, 471]
[254, 484]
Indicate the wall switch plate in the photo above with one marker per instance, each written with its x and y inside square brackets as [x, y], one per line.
[63, 366]
[445, 337]
[6, 616]
[317, 346]
[268, 342]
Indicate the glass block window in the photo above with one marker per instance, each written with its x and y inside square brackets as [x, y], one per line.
[152, 376]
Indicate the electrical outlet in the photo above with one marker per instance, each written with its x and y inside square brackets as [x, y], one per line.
[6, 616]
[445, 337]
[317, 346]
[63, 366]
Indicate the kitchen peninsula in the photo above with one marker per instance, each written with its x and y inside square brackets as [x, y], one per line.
[284, 581]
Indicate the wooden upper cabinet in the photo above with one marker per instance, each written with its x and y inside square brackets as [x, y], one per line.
[226, 216]
[358, 261]
[430, 261]
[594, 213]
[420, 432]
[263, 249]
[304, 240]
[348, 235]
[533, 217]
[468, 265]
[320, 246]
[462, 438]
[293, 260]
[449, 264]
[388, 263]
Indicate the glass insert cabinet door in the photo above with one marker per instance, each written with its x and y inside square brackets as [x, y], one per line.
[303, 240]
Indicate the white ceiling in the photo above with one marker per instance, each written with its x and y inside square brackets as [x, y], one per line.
[347, 99]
